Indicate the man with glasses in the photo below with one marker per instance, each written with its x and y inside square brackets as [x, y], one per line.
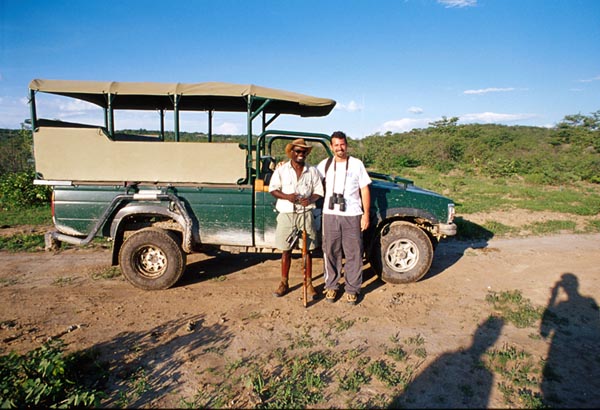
[297, 186]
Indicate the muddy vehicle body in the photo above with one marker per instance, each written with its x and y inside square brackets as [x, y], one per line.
[158, 198]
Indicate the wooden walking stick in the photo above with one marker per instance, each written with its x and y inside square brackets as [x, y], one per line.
[304, 260]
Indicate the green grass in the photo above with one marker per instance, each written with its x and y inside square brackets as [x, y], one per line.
[552, 226]
[341, 325]
[46, 377]
[281, 379]
[106, 273]
[514, 308]
[474, 194]
[22, 243]
[518, 376]
[39, 215]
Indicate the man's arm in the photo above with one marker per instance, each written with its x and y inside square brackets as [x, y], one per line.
[287, 197]
[365, 195]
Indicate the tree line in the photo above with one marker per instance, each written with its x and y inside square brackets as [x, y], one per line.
[568, 152]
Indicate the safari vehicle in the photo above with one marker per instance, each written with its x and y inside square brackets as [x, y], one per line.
[158, 198]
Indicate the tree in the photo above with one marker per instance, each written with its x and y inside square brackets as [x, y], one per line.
[590, 122]
[445, 122]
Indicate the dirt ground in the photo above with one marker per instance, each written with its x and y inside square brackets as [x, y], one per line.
[223, 312]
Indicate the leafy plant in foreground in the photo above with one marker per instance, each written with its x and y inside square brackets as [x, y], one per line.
[44, 377]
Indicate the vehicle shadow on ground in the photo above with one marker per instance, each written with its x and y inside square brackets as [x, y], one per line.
[451, 250]
[154, 359]
[221, 264]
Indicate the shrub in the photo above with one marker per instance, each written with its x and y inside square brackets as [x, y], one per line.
[43, 378]
[17, 190]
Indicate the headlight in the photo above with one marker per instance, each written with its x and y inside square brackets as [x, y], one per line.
[451, 213]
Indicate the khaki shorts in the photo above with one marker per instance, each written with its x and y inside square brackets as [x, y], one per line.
[285, 224]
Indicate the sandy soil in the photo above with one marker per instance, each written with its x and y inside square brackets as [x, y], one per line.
[222, 312]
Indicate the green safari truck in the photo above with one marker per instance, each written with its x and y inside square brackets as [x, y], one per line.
[158, 196]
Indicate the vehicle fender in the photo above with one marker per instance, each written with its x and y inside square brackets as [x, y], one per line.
[116, 227]
[391, 216]
[403, 212]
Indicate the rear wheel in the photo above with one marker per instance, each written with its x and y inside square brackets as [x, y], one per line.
[152, 259]
[406, 253]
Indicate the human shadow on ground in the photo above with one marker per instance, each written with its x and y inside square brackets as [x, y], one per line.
[456, 379]
[571, 374]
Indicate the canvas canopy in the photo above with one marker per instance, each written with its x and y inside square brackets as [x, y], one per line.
[217, 96]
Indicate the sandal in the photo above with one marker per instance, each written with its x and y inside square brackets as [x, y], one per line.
[330, 295]
[351, 299]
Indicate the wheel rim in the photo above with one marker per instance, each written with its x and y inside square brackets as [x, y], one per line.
[150, 261]
[402, 255]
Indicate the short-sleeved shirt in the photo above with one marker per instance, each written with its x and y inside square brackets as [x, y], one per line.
[348, 183]
[284, 178]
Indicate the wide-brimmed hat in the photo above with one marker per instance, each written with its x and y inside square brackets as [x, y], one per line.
[297, 143]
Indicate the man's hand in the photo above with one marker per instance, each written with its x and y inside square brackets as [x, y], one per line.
[364, 222]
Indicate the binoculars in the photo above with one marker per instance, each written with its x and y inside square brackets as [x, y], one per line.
[293, 237]
[337, 199]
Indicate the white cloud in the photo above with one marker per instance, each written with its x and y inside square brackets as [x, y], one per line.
[404, 124]
[408, 124]
[589, 80]
[415, 110]
[227, 128]
[489, 90]
[76, 107]
[352, 106]
[493, 117]
[458, 3]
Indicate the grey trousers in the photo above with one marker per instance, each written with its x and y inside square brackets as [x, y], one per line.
[342, 234]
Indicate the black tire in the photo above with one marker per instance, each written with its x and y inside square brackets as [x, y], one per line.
[406, 253]
[152, 259]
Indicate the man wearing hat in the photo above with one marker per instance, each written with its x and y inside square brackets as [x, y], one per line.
[297, 186]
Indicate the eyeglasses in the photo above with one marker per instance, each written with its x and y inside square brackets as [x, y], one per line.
[300, 151]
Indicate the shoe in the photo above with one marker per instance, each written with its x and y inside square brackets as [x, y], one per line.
[281, 290]
[330, 295]
[311, 292]
[351, 299]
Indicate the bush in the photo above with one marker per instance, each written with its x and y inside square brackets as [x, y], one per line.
[44, 378]
[17, 190]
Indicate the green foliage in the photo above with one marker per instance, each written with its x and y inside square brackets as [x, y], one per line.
[37, 215]
[17, 190]
[514, 308]
[22, 243]
[353, 380]
[44, 377]
[550, 156]
[15, 150]
[300, 384]
[388, 375]
[518, 373]
[591, 122]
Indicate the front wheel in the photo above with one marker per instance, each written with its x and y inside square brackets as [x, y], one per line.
[152, 259]
[406, 253]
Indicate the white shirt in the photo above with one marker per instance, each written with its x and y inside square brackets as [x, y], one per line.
[286, 180]
[347, 183]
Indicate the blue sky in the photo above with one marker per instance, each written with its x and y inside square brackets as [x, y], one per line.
[390, 65]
